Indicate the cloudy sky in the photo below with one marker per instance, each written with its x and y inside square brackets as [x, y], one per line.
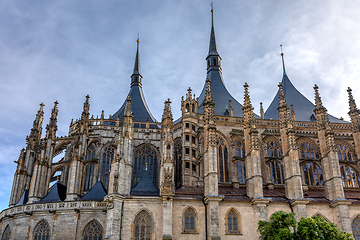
[64, 50]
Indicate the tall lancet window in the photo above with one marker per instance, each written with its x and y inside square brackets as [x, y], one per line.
[312, 174]
[146, 156]
[89, 174]
[345, 153]
[42, 231]
[273, 154]
[349, 176]
[178, 161]
[107, 159]
[240, 154]
[223, 166]
[143, 226]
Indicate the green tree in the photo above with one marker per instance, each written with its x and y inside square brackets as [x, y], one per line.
[283, 225]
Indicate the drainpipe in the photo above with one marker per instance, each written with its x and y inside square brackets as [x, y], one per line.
[291, 208]
[206, 232]
[121, 220]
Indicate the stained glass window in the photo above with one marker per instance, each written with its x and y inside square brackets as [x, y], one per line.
[223, 167]
[108, 157]
[145, 155]
[276, 171]
[90, 154]
[93, 231]
[143, 226]
[42, 231]
[6, 233]
[189, 220]
[312, 174]
[232, 222]
[240, 150]
[349, 176]
[356, 228]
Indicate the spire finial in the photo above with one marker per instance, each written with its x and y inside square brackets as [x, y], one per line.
[136, 76]
[282, 58]
[212, 13]
[318, 102]
[212, 46]
[262, 111]
[352, 103]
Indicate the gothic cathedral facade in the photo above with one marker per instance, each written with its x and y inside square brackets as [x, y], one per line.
[211, 174]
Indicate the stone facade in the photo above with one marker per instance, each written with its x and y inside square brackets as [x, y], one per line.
[203, 176]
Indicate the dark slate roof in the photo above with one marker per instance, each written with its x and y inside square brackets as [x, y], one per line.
[304, 109]
[24, 198]
[57, 194]
[97, 193]
[138, 105]
[145, 187]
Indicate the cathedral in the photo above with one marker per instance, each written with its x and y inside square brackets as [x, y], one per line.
[211, 174]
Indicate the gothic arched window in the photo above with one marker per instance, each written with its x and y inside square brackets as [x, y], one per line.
[90, 154]
[273, 150]
[345, 153]
[311, 174]
[6, 233]
[240, 150]
[349, 176]
[144, 155]
[42, 231]
[89, 174]
[107, 158]
[276, 171]
[143, 226]
[93, 231]
[232, 222]
[308, 151]
[223, 167]
[356, 228]
[189, 220]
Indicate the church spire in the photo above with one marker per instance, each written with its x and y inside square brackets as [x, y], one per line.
[283, 62]
[51, 128]
[213, 58]
[136, 76]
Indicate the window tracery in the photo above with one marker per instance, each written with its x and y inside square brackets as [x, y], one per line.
[145, 155]
[312, 174]
[349, 176]
[6, 233]
[240, 153]
[345, 153]
[189, 220]
[90, 154]
[223, 166]
[273, 150]
[42, 231]
[107, 158]
[307, 150]
[232, 222]
[143, 226]
[93, 231]
[355, 225]
[276, 171]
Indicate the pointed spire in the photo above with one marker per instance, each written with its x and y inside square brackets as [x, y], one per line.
[85, 114]
[352, 104]
[38, 119]
[128, 111]
[282, 99]
[231, 110]
[283, 62]
[247, 101]
[51, 128]
[212, 46]
[318, 102]
[136, 76]
[261, 111]
[35, 133]
[167, 110]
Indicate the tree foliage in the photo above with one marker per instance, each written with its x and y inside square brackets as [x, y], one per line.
[283, 226]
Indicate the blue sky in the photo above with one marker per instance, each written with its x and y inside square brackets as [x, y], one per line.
[64, 50]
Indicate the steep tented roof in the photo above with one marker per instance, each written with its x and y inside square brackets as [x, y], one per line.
[57, 194]
[24, 198]
[145, 187]
[139, 107]
[97, 193]
[302, 106]
[220, 95]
